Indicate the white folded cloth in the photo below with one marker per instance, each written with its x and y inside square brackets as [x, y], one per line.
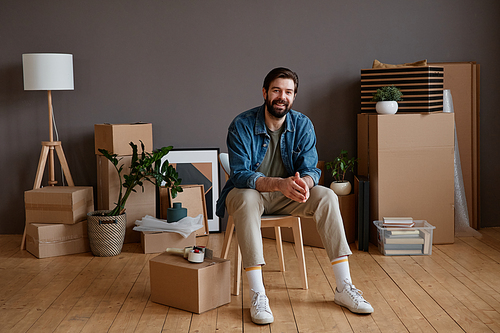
[184, 226]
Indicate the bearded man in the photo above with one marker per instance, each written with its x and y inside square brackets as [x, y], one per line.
[273, 158]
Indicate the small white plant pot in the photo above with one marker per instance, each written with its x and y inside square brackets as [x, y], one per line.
[341, 187]
[386, 107]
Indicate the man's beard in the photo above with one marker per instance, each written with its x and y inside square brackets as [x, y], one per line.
[275, 111]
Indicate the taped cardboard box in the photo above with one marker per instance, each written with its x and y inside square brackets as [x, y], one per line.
[310, 236]
[158, 241]
[58, 204]
[139, 203]
[51, 240]
[192, 287]
[409, 159]
[116, 138]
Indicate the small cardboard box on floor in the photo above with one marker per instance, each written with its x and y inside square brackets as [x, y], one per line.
[192, 287]
[51, 240]
[409, 158]
[158, 241]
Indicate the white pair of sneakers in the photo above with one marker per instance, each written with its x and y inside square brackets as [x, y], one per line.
[348, 297]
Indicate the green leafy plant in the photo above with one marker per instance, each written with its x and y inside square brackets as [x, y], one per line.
[341, 165]
[144, 167]
[387, 93]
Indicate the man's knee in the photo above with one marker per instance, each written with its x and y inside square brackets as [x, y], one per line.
[324, 195]
[243, 199]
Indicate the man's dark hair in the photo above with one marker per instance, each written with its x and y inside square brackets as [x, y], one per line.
[281, 73]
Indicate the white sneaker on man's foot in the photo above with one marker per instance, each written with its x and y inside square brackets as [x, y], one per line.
[352, 298]
[259, 309]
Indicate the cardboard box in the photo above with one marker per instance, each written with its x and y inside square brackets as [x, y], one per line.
[115, 138]
[409, 159]
[310, 236]
[462, 78]
[192, 287]
[58, 204]
[422, 87]
[139, 203]
[51, 240]
[158, 241]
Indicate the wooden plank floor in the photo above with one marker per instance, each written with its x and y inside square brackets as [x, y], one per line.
[456, 289]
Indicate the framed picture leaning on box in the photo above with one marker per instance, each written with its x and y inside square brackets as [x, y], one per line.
[200, 166]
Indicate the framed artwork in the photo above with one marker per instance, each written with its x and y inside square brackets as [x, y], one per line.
[199, 166]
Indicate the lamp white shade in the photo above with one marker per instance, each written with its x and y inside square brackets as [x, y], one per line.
[48, 71]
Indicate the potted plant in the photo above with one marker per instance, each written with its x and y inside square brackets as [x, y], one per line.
[338, 168]
[387, 99]
[106, 229]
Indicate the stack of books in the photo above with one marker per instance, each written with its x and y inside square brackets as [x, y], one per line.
[398, 222]
[404, 240]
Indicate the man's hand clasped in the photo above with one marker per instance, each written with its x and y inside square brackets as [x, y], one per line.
[295, 188]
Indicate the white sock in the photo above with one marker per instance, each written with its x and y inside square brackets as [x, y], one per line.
[254, 276]
[341, 271]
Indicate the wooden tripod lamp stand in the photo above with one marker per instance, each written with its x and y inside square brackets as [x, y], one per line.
[49, 71]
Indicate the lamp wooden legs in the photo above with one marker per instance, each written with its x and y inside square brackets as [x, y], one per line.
[47, 146]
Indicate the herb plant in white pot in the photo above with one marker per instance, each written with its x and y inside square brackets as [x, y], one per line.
[387, 99]
[338, 168]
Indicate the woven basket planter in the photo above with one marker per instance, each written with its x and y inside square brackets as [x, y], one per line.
[106, 233]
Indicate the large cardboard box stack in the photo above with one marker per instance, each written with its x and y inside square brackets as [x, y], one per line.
[115, 138]
[409, 159]
[422, 87]
[192, 287]
[56, 220]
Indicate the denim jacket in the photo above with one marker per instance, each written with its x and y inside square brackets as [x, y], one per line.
[247, 142]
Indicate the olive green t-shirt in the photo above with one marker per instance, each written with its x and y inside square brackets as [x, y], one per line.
[272, 165]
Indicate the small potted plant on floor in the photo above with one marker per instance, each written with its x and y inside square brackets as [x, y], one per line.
[338, 168]
[106, 229]
[387, 99]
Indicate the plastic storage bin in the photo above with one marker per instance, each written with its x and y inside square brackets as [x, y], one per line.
[414, 241]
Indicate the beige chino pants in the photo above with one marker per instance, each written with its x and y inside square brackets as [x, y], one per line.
[248, 205]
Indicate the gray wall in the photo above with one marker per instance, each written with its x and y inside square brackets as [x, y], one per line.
[189, 67]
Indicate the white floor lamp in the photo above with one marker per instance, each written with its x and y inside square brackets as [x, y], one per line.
[49, 71]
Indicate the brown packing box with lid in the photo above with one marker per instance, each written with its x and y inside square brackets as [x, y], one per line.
[192, 287]
[51, 240]
[139, 203]
[158, 241]
[58, 204]
[310, 236]
[116, 138]
[409, 159]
